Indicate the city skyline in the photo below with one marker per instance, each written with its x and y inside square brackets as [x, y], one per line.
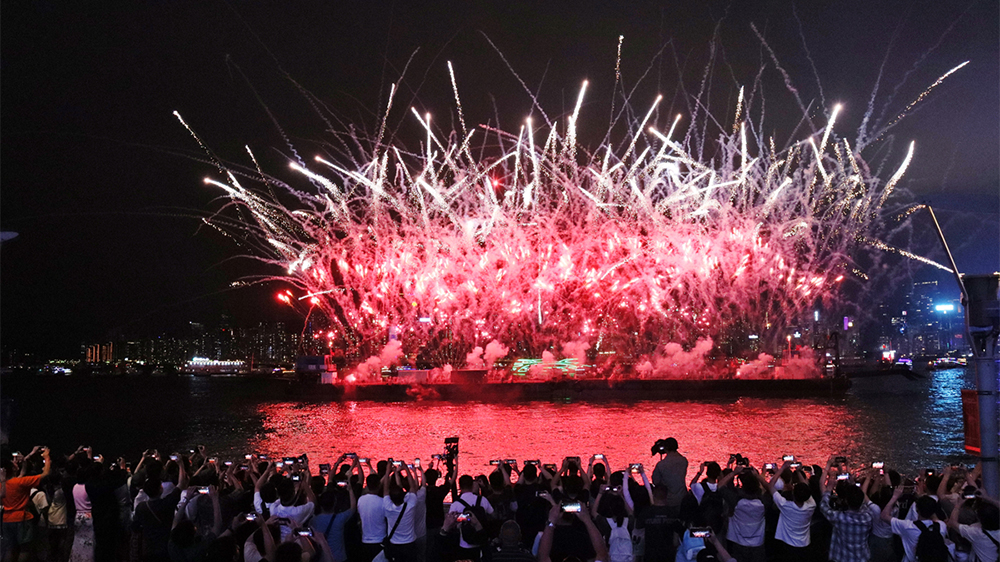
[105, 189]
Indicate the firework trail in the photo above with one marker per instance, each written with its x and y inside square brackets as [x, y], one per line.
[543, 244]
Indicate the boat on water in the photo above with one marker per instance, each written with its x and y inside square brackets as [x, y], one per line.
[473, 385]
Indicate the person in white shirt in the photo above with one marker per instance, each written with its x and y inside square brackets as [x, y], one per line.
[984, 534]
[400, 514]
[795, 519]
[372, 514]
[468, 498]
[712, 472]
[289, 488]
[909, 531]
[746, 525]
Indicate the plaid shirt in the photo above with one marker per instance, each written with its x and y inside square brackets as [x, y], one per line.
[849, 542]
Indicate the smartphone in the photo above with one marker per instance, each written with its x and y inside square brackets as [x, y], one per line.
[571, 507]
[324, 469]
[397, 463]
[616, 489]
[363, 460]
[288, 460]
[214, 460]
[786, 458]
[599, 456]
[228, 463]
[416, 462]
[203, 489]
[795, 465]
[247, 457]
[536, 463]
[341, 483]
[878, 464]
[969, 496]
[575, 459]
[437, 456]
[296, 478]
[451, 440]
[251, 516]
[928, 472]
[843, 476]
[244, 467]
[262, 457]
[840, 460]
[495, 462]
[510, 462]
[635, 467]
[769, 466]
[348, 455]
[174, 457]
[304, 532]
[550, 467]
[701, 532]
[463, 517]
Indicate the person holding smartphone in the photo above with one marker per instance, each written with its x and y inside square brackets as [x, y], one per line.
[337, 505]
[795, 519]
[18, 523]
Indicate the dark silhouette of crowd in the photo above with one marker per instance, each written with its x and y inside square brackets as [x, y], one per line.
[191, 506]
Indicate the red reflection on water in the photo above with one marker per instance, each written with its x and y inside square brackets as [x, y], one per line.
[760, 429]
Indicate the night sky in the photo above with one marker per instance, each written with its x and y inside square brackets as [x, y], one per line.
[105, 187]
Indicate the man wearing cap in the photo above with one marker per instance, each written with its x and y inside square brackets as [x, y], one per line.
[671, 471]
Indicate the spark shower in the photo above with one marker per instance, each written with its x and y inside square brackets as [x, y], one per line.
[526, 238]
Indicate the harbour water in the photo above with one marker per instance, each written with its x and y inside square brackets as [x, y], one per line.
[909, 424]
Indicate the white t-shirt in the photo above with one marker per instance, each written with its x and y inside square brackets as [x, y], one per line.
[880, 528]
[699, 491]
[984, 548]
[909, 533]
[405, 531]
[794, 521]
[372, 519]
[470, 498]
[420, 516]
[299, 514]
[746, 526]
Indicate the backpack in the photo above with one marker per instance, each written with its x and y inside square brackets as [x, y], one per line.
[469, 532]
[713, 507]
[930, 544]
[39, 517]
[619, 542]
[689, 508]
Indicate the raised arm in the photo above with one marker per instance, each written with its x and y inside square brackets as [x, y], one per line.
[645, 483]
[777, 476]
[942, 489]
[262, 479]
[697, 476]
[886, 514]
[545, 544]
[213, 493]
[182, 478]
[596, 539]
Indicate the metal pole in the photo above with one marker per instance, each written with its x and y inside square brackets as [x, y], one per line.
[982, 316]
[982, 326]
[986, 375]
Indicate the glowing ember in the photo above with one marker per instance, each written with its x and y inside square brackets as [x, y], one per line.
[541, 245]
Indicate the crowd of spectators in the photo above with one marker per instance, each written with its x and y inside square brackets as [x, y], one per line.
[190, 506]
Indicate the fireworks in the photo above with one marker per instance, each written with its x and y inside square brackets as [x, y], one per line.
[541, 243]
